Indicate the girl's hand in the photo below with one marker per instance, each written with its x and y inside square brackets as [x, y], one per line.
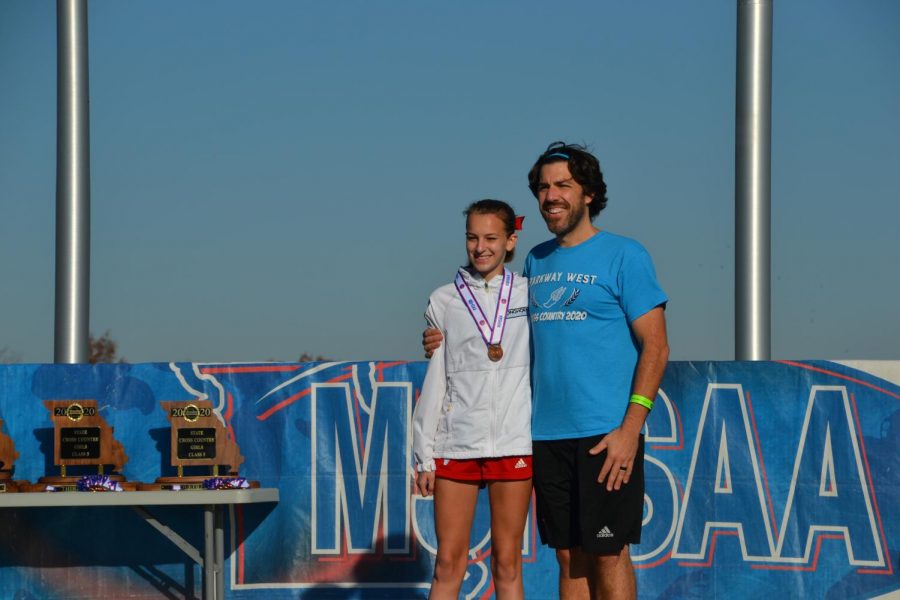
[425, 483]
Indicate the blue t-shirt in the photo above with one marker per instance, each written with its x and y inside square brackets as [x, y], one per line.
[582, 300]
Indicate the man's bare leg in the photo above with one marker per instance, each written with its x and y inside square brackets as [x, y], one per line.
[574, 574]
[614, 578]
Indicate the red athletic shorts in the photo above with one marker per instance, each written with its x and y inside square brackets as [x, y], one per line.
[483, 470]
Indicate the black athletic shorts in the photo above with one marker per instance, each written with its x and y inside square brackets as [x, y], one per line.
[573, 509]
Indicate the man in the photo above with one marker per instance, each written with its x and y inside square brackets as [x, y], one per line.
[600, 350]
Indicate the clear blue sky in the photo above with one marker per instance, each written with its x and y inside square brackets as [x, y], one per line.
[272, 178]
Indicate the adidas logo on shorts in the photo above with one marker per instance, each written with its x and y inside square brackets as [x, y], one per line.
[521, 464]
[605, 533]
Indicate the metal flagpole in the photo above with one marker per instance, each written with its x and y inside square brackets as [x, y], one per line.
[752, 185]
[73, 193]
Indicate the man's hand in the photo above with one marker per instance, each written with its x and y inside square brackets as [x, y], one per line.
[431, 340]
[621, 448]
[621, 444]
[425, 483]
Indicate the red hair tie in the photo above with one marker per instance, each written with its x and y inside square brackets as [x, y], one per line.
[519, 220]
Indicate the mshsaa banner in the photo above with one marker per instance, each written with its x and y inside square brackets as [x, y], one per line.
[777, 478]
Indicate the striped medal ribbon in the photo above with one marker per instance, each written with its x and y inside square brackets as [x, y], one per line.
[493, 332]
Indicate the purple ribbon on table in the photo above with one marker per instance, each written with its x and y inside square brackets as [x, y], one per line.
[225, 483]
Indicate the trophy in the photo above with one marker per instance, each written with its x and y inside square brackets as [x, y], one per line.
[8, 456]
[199, 440]
[82, 438]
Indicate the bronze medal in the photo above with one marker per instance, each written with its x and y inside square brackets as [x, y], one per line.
[495, 352]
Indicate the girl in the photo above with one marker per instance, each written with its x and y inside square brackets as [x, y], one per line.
[472, 424]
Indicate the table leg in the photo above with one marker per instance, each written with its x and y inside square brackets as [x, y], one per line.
[209, 573]
[220, 550]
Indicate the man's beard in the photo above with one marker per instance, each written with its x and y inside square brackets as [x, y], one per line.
[563, 228]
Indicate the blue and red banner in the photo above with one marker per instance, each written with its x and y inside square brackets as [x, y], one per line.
[777, 478]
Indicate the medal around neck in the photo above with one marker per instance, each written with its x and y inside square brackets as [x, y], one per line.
[491, 333]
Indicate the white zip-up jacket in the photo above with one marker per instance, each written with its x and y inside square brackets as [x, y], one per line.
[470, 406]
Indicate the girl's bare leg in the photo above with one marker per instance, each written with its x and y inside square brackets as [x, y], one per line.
[510, 501]
[454, 510]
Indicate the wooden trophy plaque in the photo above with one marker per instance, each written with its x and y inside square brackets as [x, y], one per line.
[199, 439]
[8, 456]
[81, 437]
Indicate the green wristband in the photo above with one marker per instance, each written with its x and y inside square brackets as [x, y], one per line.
[642, 400]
